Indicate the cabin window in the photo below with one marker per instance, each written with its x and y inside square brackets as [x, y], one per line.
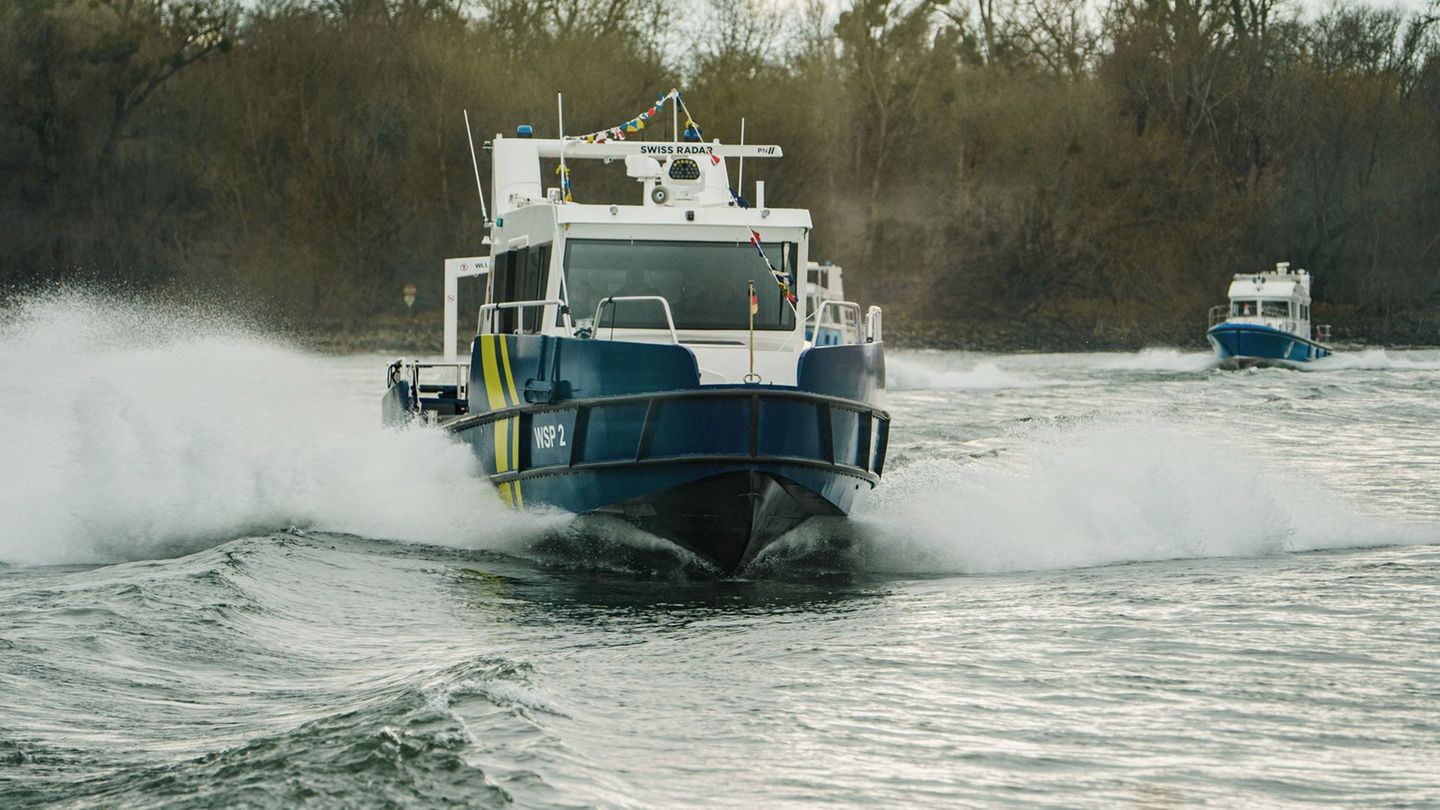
[1304, 312]
[1243, 308]
[502, 281]
[1275, 309]
[705, 283]
[520, 275]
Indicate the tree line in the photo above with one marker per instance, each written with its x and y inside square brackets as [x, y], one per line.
[1092, 172]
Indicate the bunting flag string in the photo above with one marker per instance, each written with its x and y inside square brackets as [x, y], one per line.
[564, 172]
[779, 277]
[693, 132]
[635, 125]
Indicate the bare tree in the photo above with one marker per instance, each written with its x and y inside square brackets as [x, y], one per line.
[148, 43]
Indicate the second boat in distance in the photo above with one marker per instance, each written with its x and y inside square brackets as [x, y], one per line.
[1267, 322]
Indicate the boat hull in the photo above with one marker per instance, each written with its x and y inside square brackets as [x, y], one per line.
[1252, 345]
[724, 514]
[728, 519]
[720, 470]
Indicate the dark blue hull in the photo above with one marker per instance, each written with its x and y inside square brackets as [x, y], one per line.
[625, 429]
[1240, 345]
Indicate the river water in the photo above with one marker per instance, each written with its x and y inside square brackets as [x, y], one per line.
[1086, 580]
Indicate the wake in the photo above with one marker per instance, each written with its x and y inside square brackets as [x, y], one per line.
[1079, 495]
[133, 432]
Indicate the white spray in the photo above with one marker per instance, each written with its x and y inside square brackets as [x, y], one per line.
[130, 431]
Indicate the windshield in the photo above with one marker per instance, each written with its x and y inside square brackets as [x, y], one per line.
[705, 283]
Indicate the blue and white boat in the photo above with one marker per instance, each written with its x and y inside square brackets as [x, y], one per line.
[1267, 322]
[834, 321]
[651, 361]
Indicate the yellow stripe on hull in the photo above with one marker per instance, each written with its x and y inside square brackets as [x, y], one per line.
[499, 395]
[516, 500]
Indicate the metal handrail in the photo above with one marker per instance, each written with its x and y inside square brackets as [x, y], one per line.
[488, 309]
[409, 371]
[703, 392]
[664, 304]
[654, 399]
[833, 302]
[462, 372]
[1219, 314]
[818, 315]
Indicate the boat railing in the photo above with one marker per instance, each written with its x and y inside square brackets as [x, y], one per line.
[1322, 332]
[431, 393]
[834, 433]
[612, 300]
[872, 325]
[851, 330]
[1219, 314]
[488, 311]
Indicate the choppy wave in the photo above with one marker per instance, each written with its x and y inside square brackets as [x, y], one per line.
[912, 372]
[140, 433]
[1160, 360]
[1376, 360]
[1097, 493]
[135, 432]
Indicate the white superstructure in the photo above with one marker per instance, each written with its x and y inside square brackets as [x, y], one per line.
[1279, 299]
[675, 267]
[833, 321]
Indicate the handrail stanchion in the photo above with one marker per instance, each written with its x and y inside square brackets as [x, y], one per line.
[843, 306]
[664, 304]
[491, 309]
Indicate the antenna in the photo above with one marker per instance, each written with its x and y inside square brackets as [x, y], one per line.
[740, 184]
[564, 172]
[474, 161]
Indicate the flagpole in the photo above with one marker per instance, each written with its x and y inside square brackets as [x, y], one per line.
[564, 172]
[750, 305]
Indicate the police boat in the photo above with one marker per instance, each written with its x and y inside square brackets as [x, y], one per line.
[831, 326]
[1267, 322]
[650, 361]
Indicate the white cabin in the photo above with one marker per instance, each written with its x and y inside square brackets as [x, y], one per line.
[1279, 299]
[834, 321]
[674, 268]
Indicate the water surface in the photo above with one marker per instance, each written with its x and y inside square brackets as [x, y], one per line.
[1087, 580]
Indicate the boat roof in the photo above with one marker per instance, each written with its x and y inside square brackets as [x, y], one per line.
[686, 181]
[1283, 282]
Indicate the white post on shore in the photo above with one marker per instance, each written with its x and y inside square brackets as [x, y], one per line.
[456, 269]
